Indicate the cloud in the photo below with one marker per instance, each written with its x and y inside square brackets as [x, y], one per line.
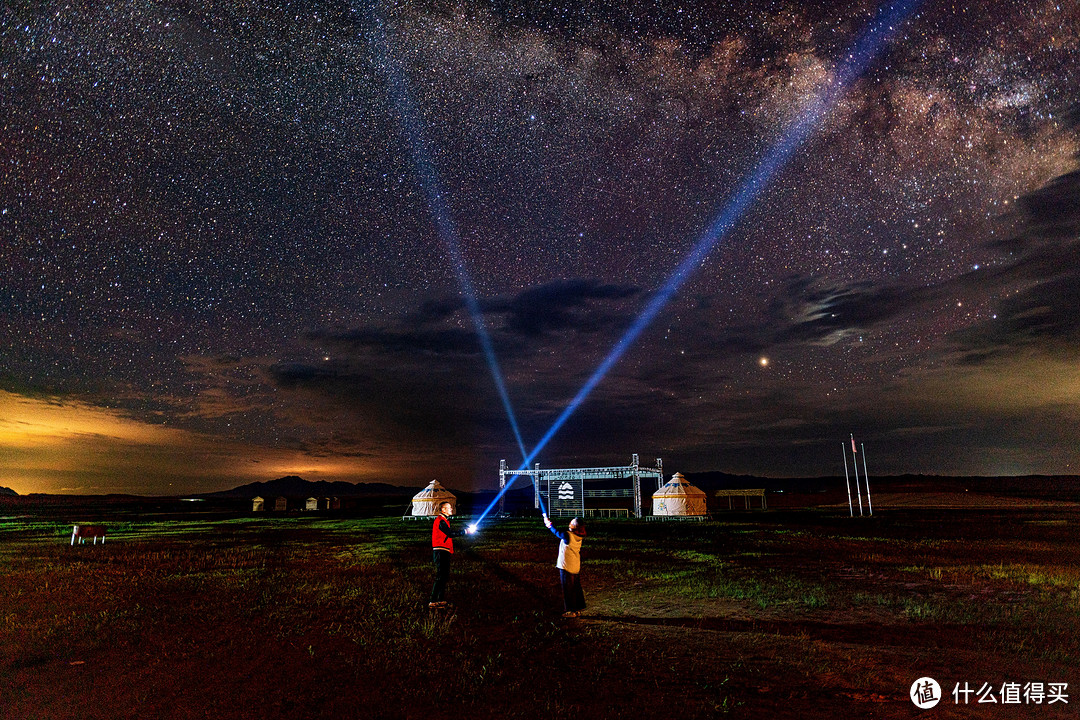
[48, 422]
[423, 341]
[1046, 315]
[825, 314]
[567, 305]
[808, 311]
[1041, 280]
[415, 384]
[574, 304]
[1053, 211]
[439, 336]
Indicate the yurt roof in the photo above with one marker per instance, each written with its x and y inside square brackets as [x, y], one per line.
[433, 491]
[678, 486]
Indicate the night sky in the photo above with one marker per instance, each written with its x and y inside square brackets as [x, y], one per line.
[221, 260]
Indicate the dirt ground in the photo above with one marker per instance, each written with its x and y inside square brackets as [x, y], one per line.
[784, 613]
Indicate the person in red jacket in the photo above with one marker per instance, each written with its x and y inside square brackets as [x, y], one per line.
[442, 547]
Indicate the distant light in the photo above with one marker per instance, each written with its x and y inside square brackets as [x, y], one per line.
[192, 499]
[764, 362]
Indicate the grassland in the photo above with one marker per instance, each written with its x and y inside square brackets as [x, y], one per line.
[794, 613]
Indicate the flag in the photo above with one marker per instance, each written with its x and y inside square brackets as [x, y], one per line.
[853, 444]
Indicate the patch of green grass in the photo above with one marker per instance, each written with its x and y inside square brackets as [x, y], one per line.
[1026, 574]
[933, 573]
[923, 610]
[435, 624]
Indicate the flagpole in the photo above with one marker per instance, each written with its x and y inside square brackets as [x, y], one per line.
[855, 462]
[847, 479]
[866, 478]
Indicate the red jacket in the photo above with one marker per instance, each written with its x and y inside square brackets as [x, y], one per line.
[442, 536]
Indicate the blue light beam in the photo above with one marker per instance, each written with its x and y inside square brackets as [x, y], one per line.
[539, 496]
[412, 129]
[854, 63]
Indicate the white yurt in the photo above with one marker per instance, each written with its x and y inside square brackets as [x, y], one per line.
[679, 498]
[427, 501]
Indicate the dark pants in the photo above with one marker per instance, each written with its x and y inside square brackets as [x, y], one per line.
[441, 559]
[572, 595]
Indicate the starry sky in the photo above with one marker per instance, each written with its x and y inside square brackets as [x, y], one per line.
[242, 240]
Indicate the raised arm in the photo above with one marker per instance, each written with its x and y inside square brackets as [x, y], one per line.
[557, 533]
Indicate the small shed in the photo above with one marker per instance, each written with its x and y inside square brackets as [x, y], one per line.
[679, 498]
[258, 504]
[281, 504]
[427, 501]
[311, 504]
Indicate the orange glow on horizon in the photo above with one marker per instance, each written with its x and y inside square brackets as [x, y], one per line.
[41, 423]
[71, 447]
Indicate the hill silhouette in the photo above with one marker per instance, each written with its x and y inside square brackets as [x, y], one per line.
[296, 486]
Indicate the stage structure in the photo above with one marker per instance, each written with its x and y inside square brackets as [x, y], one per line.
[565, 492]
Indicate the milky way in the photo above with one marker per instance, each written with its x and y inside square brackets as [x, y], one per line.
[217, 239]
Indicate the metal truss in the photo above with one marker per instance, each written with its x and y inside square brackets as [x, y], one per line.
[565, 490]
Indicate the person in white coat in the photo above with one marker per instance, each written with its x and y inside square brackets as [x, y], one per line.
[569, 565]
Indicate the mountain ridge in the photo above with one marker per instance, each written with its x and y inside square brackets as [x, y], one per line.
[294, 485]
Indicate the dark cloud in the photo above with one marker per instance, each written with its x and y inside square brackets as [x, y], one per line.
[1044, 263]
[1045, 316]
[566, 305]
[421, 341]
[364, 402]
[826, 314]
[1054, 210]
[575, 305]
[437, 341]
[295, 373]
[811, 312]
